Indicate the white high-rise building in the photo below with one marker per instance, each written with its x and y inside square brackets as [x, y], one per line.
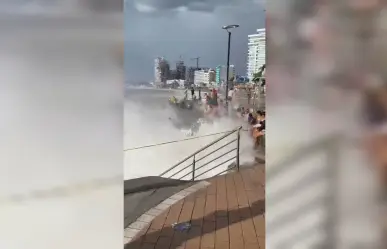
[256, 52]
[204, 77]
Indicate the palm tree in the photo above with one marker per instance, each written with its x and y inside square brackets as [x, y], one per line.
[257, 77]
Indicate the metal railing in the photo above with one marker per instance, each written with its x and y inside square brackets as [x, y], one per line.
[194, 166]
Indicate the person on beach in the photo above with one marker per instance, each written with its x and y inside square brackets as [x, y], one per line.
[248, 95]
[230, 94]
[251, 119]
[214, 98]
[192, 91]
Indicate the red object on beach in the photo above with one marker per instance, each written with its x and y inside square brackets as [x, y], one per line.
[214, 92]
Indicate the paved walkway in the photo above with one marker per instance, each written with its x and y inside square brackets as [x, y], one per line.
[228, 214]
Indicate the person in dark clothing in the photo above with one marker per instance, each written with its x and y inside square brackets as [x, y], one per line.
[248, 95]
[192, 91]
[262, 119]
[200, 94]
[262, 126]
[251, 120]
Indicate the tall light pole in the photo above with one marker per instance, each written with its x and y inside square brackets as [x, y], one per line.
[228, 28]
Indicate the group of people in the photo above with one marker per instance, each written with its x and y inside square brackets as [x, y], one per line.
[257, 123]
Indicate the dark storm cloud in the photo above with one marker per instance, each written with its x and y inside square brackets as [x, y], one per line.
[190, 5]
[174, 32]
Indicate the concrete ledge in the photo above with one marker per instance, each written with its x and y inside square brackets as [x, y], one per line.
[146, 218]
[148, 183]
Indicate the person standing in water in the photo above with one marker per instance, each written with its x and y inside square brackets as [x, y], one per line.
[192, 91]
[248, 95]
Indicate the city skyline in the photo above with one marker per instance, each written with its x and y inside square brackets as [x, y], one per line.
[164, 72]
[172, 34]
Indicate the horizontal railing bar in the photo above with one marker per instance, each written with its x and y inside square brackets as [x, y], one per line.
[216, 166]
[201, 166]
[228, 169]
[200, 150]
[185, 175]
[174, 166]
[221, 147]
[189, 165]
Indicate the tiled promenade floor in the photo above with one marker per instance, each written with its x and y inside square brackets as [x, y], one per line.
[228, 214]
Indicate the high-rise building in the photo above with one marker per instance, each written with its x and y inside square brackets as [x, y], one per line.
[162, 70]
[256, 52]
[221, 72]
[204, 77]
[173, 74]
[180, 70]
[190, 76]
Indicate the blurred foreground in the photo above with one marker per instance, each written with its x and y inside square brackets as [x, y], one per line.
[61, 124]
[326, 112]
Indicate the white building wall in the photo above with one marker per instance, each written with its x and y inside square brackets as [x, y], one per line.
[157, 71]
[256, 52]
[203, 77]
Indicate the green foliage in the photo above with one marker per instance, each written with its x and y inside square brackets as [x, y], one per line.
[257, 77]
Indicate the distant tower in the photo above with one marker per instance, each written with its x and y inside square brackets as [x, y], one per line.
[162, 70]
[180, 69]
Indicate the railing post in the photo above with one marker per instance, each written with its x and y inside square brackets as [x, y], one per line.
[238, 146]
[193, 168]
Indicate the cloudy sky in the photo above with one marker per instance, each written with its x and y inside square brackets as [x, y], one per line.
[187, 28]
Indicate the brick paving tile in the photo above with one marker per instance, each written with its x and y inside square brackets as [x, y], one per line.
[172, 217]
[248, 183]
[221, 234]
[163, 242]
[198, 211]
[248, 230]
[159, 221]
[228, 214]
[222, 245]
[240, 191]
[201, 193]
[136, 244]
[211, 190]
[231, 192]
[208, 237]
[179, 239]
[147, 246]
[152, 236]
[194, 238]
[210, 208]
[251, 246]
[262, 243]
[221, 197]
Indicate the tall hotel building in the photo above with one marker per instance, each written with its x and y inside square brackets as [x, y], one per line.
[161, 70]
[256, 52]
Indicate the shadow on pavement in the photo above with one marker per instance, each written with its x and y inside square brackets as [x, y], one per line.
[168, 238]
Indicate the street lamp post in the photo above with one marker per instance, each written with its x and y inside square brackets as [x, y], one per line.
[227, 28]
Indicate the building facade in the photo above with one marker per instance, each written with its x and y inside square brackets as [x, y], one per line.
[175, 83]
[256, 52]
[204, 77]
[180, 70]
[221, 72]
[190, 75]
[162, 70]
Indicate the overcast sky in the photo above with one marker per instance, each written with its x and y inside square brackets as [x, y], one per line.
[190, 28]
